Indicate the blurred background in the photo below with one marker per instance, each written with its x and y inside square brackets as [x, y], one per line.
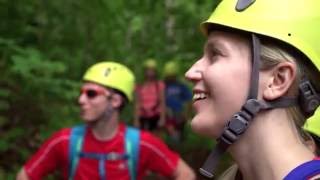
[45, 47]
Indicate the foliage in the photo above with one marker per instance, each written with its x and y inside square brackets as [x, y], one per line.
[45, 46]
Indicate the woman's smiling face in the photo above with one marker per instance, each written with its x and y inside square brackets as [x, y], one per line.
[221, 81]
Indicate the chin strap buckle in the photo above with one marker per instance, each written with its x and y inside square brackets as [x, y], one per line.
[235, 127]
[309, 100]
[240, 121]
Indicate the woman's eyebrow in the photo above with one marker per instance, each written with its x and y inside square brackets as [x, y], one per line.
[216, 44]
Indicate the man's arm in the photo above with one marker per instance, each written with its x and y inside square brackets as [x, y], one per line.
[47, 157]
[157, 157]
[183, 172]
[22, 175]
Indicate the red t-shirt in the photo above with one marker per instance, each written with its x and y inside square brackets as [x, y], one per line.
[154, 155]
[149, 96]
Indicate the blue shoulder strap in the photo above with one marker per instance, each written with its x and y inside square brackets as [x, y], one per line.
[305, 171]
[132, 140]
[75, 146]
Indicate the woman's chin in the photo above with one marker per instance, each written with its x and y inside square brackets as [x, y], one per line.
[202, 128]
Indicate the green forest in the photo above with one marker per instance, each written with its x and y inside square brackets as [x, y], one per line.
[45, 47]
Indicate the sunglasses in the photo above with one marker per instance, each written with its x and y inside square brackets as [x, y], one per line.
[92, 93]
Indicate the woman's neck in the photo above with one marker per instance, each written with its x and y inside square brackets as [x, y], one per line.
[270, 148]
[105, 129]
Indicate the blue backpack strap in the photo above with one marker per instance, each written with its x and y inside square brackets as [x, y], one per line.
[75, 146]
[305, 171]
[132, 140]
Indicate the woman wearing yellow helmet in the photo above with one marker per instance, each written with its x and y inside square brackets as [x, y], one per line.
[255, 85]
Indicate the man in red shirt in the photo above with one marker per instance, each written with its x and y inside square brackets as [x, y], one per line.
[107, 87]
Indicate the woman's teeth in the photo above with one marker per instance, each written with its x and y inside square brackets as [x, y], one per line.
[199, 96]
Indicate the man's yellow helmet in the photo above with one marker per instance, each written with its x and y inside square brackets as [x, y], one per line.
[113, 75]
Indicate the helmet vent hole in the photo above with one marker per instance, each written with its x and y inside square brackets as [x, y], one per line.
[243, 4]
[107, 72]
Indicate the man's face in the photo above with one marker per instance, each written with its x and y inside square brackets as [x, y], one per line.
[93, 101]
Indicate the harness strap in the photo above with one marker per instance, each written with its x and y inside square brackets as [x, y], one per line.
[132, 138]
[305, 171]
[75, 146]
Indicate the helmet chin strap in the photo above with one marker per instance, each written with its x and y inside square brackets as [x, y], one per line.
[241, 120]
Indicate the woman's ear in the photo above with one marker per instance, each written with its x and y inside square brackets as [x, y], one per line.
[279, 80]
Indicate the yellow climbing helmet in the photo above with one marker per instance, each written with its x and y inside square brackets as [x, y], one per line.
[171, 68]
[113, 75]
[313, 123]
[295, 22]
[150, 63]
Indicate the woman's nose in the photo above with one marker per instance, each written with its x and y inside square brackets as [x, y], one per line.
[195, 72]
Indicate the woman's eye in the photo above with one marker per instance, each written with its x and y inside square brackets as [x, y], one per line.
[214, 54]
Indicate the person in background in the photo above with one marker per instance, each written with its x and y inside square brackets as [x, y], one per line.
[149, 99]
[104, 147]
[177, 96]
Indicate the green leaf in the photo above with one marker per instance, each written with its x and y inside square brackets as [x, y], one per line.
[136, 24]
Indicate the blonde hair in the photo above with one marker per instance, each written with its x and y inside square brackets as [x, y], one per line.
[273, 53]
